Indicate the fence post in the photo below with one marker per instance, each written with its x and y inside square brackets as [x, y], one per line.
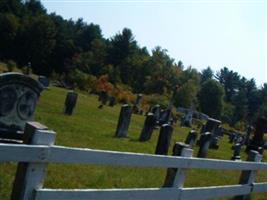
[176, 176]
[30, 176]
[248, 176]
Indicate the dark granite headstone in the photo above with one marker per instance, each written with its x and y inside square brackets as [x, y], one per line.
[204, 144]
[187, 119]
[257, 140]
[156, 111]
[191, 138]
[70, 102]
[148, 127]
[164, 139]
[18, 98]
[236, 153]
[124, 121]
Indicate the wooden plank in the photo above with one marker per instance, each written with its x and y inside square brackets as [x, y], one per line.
[58, 154]
[100, 157]
[23, 153]
[111, 194]
[204, 193]
[259, 187]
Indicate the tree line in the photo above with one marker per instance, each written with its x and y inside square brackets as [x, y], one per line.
[77, 52]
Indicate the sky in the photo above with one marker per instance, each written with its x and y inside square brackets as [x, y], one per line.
[200, 33]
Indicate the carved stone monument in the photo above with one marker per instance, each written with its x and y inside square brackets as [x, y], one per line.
[136, 106]
[18, 98]
[257, 140]
[164, 139]
[44, 81]
[124, 121]
[148, 128]
[70, 102]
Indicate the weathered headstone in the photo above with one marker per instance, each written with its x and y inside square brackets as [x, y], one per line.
[112, 101]
[70, 102]
[257, 140]
[136, 106]
[156, 111]
[236, 153]
[165, 117]
[187, 119]
[124, 121]
[18, 98]
[44, 81]
[211, 126]
[191, 138]
[204, 144]
[164, 139]
[148, 127]
[171, 172]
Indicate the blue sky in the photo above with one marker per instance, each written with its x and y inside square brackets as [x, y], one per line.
[200, 33]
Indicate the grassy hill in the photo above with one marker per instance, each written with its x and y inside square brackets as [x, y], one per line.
[91, 127]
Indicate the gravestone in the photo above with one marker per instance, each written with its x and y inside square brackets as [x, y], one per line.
[18, 97]
[148, 128]
[136, 107]
[187, 119]
[172, 172]
[211, 126]
[103, 98]
[204, 143]
[112, 101]
[237, 149]
[44, 81]
[164, 139]
[257, 140]
[124, 121]
[70, 102]
[191, 138]
[156, 111]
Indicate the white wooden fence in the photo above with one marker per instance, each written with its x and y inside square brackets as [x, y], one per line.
[34, 157]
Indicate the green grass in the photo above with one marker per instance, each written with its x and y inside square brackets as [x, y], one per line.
[91, 127]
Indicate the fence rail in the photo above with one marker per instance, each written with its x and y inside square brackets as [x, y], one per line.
[34, 157]
[69, 155]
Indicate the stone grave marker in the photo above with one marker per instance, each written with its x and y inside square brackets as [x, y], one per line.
[191, 138]
[237, 149]
[257, 139]
[156, 111]
[103, 98]
[136, 106]
[44, 81]
[18, 97]
[187, 119]
[164, 139]
[148, 128]
[70, 102]
[124, 121]
[204, 143]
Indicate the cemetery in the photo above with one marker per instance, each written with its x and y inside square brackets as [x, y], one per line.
[116, 152]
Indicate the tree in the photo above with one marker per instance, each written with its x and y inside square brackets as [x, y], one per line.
[211, 98]
[230, 81]
[186, 95]
[206, 74]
